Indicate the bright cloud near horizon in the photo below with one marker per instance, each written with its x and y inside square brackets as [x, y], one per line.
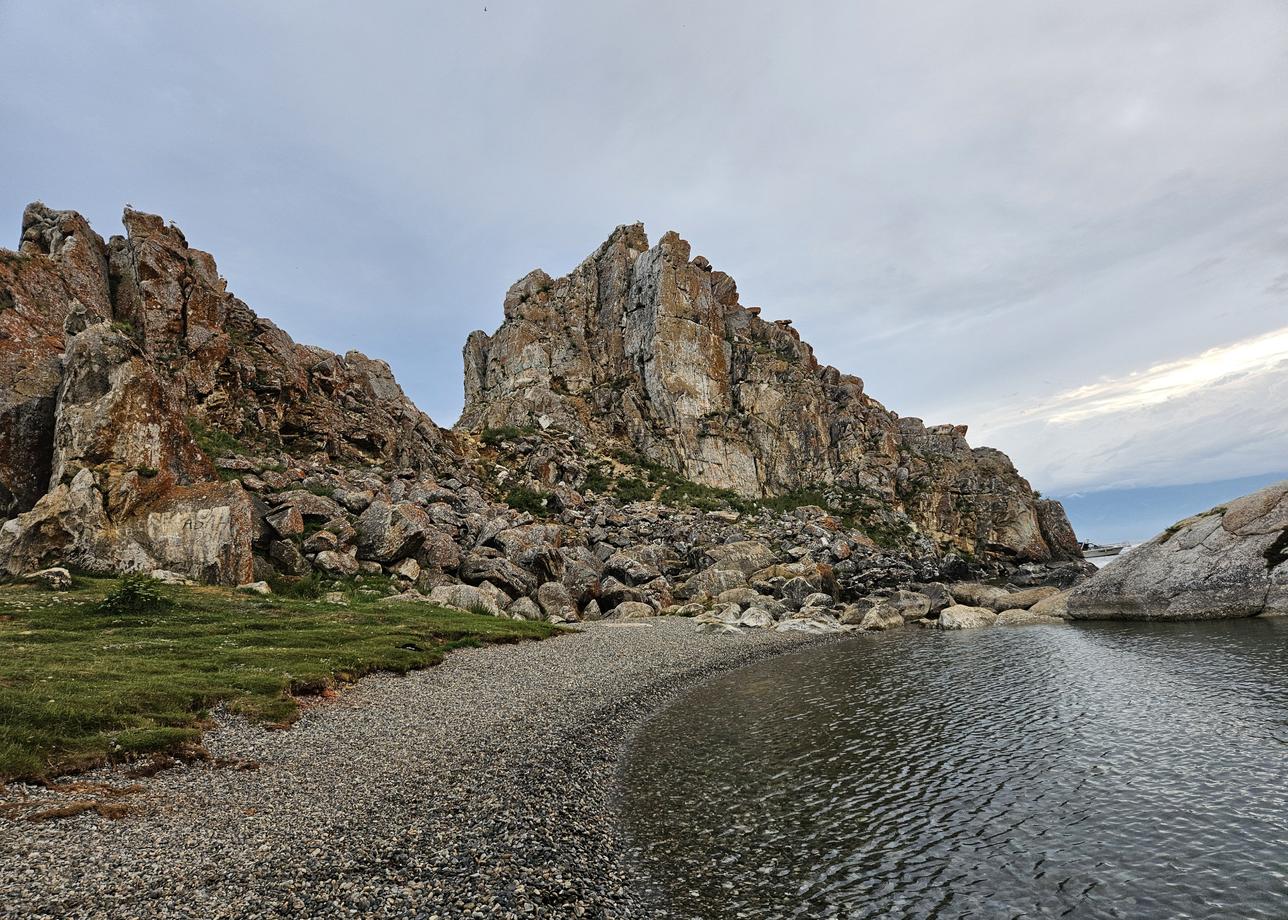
[1065, 225]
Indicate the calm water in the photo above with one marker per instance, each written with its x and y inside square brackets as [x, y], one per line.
[1117, 770]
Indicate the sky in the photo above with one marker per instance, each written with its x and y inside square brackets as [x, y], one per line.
[1064, 225]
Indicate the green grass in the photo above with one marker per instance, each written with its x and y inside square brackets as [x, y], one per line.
[79, 687]
[214, 442]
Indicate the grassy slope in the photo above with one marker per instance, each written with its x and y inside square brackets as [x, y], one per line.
[77, 688]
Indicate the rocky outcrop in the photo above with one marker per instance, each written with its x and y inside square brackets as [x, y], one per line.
[154, 423]
[126, 367]
[1226, 562]
[648, 348]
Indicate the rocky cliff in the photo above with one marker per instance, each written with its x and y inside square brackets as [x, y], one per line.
[153, 422]
[124, 365]
[649, 348]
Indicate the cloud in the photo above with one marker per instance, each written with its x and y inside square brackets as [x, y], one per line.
[1200, 418]
[976, 207]
[1216, 367]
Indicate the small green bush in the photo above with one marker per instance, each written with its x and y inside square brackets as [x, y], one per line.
[630, 489]
[309, 587]
[133, 595]
[494, 436]
[521, 498]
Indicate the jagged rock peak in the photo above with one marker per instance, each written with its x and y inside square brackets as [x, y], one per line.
[650, 348]
[119, 359]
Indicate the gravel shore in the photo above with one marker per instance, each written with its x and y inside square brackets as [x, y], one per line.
[484, 787]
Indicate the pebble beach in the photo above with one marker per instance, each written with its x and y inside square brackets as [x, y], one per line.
[484, 787]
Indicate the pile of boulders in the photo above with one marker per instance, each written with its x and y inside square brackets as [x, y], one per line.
[447, 543]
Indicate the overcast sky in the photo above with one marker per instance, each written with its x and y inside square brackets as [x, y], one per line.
[1065, 225]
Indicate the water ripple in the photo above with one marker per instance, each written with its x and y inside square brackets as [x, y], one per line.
[1104, 771]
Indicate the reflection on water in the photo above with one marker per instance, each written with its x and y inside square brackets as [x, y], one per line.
[1108, 770]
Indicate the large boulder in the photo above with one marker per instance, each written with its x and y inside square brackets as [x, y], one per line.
[467, 597]
[961, 617]
[388, 532]
[746, 556]
[1228, 561]
[711, 582]
[972, 594]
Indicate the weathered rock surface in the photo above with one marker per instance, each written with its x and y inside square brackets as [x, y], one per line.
[651, 349]
[1226, 562]
[961, 617]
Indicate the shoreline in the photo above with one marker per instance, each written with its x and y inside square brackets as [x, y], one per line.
[488, 785]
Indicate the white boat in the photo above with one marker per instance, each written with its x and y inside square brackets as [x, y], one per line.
[1094, 550]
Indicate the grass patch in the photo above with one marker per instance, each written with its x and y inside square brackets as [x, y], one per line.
[214, 442]
[79, 687]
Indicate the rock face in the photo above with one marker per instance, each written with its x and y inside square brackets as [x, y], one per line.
[153, 423]
[1226, 562]
[124, 360]
[650, 348]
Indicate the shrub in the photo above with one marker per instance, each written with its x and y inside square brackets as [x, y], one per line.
[630, 489]
[494, 436]
[133, 595]
[308, 587]
[521, 498]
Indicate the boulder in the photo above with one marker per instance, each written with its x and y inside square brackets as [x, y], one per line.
[743, 597]
[524, 608]
[477, 568]
[744, 556]
[310, 505]
[467, 597]
[340, 565]
[795, 591]
[756, 618]
[1055, 605]
[854, 613]
[406, 569]
[1023, 600]
[937, 595]
[971, 594]
[881, 617]
[632, 610]
[388, 532]
[728, 614]
[556, 601]
[910, 605]
[286, 521]
[1227, 562]
[166, 577]
[1023, 617]
[962, 617]
[321, 541]
[287, 558]
[711, 582]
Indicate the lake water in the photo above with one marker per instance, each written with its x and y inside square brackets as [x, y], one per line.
[1133, 771]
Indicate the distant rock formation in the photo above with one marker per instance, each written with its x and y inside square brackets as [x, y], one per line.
[647, 347]
[1230, 561]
